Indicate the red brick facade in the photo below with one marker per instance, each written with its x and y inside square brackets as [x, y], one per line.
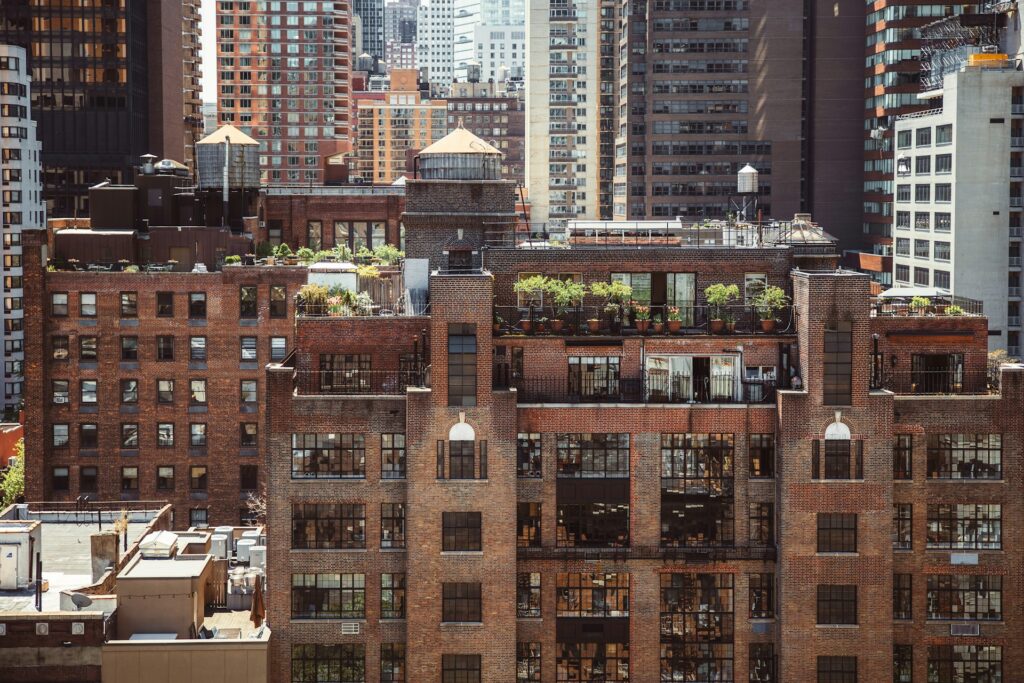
[799, 643]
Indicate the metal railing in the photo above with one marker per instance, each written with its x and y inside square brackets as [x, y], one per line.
[939, 382]
[359, 382]
[597, 320]
[652, 389]
[938, 306]
[643, 552]
[404, 307]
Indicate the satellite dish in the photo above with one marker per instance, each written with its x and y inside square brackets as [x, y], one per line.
[80, 600]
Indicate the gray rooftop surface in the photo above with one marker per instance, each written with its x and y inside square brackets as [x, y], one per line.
[67, 564]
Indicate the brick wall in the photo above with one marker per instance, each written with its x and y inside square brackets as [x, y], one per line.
[294, 211]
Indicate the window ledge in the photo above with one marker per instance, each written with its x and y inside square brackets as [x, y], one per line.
[936, 480]
[843, 626]
[327, 550]
[197, 322]
[463, 624]
[462, 553]
[837, 481]
[392, 550]
[837, 554]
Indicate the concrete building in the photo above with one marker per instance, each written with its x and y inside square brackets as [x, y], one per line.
[390, 127]
[766, 83]
[21, 191]
[958, 200]
[434, 38]
[893, 81]
[807, 499]
[371, 20]
[166, 606]
[572, 87]
[283, 78]
[400, 56]
[492, 33]
[400, 21]
[111, 82]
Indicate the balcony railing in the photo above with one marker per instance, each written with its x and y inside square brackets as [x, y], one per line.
[939, 382]
[937, 306]
[652, 389]
[595, 320]
[359, 382]
[702, 554]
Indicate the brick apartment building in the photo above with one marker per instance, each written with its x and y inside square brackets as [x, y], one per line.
[822, 502]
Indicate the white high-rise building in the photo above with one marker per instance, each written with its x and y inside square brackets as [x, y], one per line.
[959, 201]
[21, 191]
[563, 124]
[491, 32]
[434, 37]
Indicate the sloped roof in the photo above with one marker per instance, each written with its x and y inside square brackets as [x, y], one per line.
[225, 132]
[460, 141]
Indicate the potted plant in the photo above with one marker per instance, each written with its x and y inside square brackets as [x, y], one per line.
[730, 322]
[919, 305]
[616, 295]
[675, 319]
[533, 287]
[593, 325]
[313, 299]
[541, 323]
[284, 253]
[718, 297]
[498, 322]
[565, 295]
[305, 254]
[954, 310]
[232, 260]
[642, 316]
[659, 326]
[768, 302]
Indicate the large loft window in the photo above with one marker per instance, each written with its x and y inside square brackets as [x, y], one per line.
[697, 625]
[589, 456]
[528, 595]
[594, 376]
[592, 661]
[392, 525]
[697, 473]
[462, 364]
[392, 596]
[837, 604]
[965, 526]
[844, 459]
[528, 455]
[962, 663]
[461, 531]
[461, 602]
[837, 532]
[972, 597]
[345, 373]
[902, 526]
[838, 365]
[903, 457]
[528, 520]
[593, 525]
[592, 595]
[345, 662]
[328, 456]
[965, 456]
[328, 526]
[837, 669]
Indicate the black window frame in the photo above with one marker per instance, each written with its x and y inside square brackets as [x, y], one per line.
[165, 304]
[461, 532]
[833, 669]
[962, 597]
[248, 302]
[392, 525]
[197, 305]
[837, 532]
[761, 587]
[165, 347]
[903, 526]
[837, 604]
[392, 455]
[528, 595]
[902, 596]
[129, 305]
[903, 457]
[392, 595]
[129, 348]
[837, 375]
[462, 364]
[461, 602]
[528, 455]
[278, 301]
[761, 455]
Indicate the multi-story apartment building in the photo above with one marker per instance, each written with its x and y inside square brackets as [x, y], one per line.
[822, 497]
[495, 116]
[892, 82]
[21, 206]
[704, 92]
[400, 21]
[572, 95]
[391, 126]
[959, 198]
[370, 14]
[491, 33]
[434, 36]
[400, 56]
[111, 81]
[283, 78]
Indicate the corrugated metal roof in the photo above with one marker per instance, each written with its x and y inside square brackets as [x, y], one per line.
[460, 141]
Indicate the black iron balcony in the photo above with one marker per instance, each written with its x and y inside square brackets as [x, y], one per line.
[652, 389]
[654, 552]
[359, 382]
[953, 381]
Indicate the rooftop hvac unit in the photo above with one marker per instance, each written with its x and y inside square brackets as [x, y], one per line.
[258, 556]
[964, 630]
[219, 546]
[244, 545]
[350, 628]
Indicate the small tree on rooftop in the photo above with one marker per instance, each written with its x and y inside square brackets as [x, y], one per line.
[12, 485]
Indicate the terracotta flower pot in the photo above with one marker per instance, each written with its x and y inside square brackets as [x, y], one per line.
[675, 325]
[527, 325]
[557, 325]
[593, 325]
[642, 325]
[659, 328]
[730, 327]
[768, 325]
[717, 326]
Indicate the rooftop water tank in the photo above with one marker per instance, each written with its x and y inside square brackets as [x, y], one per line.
[228, 158]
[746, 180]
[460, 155]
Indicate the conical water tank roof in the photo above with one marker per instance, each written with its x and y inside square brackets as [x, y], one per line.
[460, 155]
